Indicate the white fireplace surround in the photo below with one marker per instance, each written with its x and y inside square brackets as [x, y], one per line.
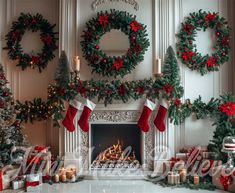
[155, 146]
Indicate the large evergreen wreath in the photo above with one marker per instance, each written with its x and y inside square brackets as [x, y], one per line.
[187, 51]
[106, 65]
[34, 23]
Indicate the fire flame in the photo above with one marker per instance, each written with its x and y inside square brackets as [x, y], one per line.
[116, 153]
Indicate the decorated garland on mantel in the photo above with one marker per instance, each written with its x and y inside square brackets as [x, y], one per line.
[187, 51]
[106, 65]
[34, 23]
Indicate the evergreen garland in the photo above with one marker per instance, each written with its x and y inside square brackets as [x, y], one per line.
[106, 65]
[187, 51]
[34, 23]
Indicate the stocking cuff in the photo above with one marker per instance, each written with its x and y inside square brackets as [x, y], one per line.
[90, 104]
[164, 103]
[76, 104]
[150, 104]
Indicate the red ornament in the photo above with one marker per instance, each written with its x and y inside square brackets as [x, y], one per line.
[5, 93]
[135, 26]
[228, 108]
[177, 102]
[211, 16]
[103, 20]
[188, 55]
[211, 62]
[122, 90]
[118, 64]
[97, 47]
[133, 37]
[217, 33]
[168, 88]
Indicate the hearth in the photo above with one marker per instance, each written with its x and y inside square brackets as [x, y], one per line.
[115, 146]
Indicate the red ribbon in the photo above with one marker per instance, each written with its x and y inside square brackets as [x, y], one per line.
[1, 179]
[226, 181]
[32, 184]
[40, 148]
[173, 161]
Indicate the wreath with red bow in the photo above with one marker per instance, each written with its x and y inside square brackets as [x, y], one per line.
[187, 50]
[99, 61]
[34, 23]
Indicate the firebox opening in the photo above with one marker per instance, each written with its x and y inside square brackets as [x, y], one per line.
[115, 143]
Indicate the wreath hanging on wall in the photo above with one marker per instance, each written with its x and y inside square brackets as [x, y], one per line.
[106, 65]
[187, 50]
[34, 23]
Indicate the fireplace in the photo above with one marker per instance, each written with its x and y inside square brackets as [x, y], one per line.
[78, 145]
[115, 146]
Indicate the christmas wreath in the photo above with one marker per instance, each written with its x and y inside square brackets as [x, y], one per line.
[106, 65]
[187, 50]
[32, 23]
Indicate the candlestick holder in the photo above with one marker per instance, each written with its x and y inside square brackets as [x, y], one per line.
[229, 148]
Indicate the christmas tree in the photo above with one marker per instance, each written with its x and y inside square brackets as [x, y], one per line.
[62, 76]
[225, 125]
[10, 128]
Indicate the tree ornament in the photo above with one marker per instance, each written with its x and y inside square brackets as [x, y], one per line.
[187, 51]
[34, 23]
[114, 65]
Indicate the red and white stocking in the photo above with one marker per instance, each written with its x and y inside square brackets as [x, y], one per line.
[143, 122]
[161, 115]
[84, 119]
[70, 115]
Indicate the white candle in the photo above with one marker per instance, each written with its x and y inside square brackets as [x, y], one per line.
[77, 63]
[157, 67]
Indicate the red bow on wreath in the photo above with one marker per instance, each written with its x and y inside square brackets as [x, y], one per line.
[211, 16]
[118, 64]
[188, 28]
[226, 181]
[103, 19]
[228, 108]
[211, 62]
[135, 26]
[188, 55]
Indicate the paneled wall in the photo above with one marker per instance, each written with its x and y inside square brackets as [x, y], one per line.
[163, 18]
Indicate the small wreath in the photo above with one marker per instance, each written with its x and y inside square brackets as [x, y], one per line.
[32, 23]
[187, 51]
[106, 65]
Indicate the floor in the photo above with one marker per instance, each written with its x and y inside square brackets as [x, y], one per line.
[114, 186]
